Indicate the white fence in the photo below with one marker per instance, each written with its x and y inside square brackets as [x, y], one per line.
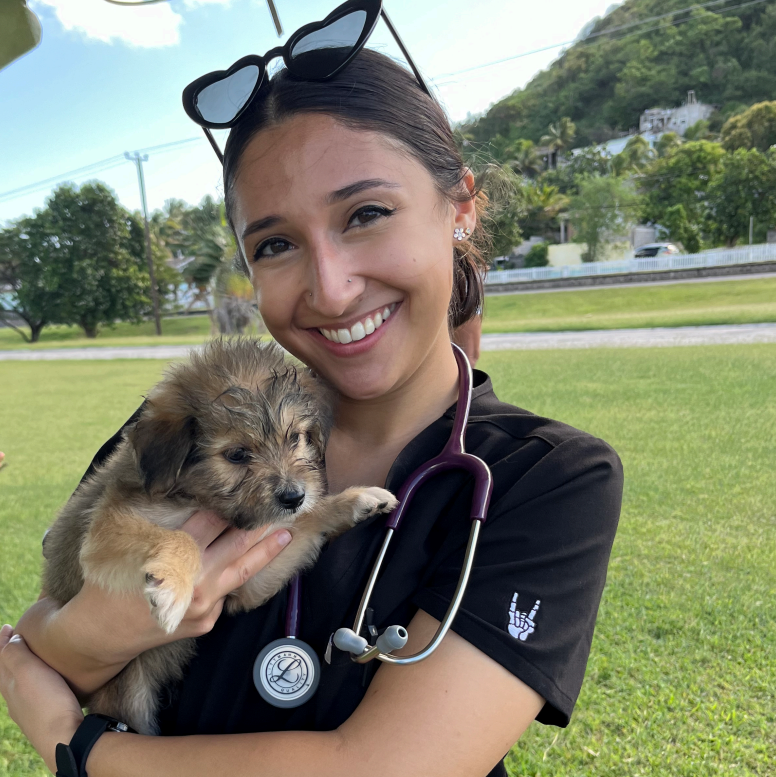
[724, 256]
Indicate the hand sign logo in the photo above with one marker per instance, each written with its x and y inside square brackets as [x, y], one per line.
[522, 625]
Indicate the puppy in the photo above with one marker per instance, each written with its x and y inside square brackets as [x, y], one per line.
[234, 430]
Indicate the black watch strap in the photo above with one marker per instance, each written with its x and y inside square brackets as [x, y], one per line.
[71, 759]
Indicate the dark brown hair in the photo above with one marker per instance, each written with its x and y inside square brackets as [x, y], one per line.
[376, 94]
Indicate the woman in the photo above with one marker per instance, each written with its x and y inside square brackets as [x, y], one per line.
[349, 201]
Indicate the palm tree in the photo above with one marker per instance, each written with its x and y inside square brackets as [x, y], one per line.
[636, 155]
[559, 138]
[524, 159]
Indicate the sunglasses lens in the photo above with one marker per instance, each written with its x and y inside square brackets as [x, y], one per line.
[222, 101]
[318, 54]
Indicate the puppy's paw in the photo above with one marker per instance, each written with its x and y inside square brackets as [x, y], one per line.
[170, 575]
[374, 500]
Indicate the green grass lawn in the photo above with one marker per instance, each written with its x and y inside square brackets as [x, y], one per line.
[188, 330]
[682, 304]
[681, 679]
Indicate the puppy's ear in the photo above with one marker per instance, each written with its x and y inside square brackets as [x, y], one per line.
[162, 440]
[323, 398]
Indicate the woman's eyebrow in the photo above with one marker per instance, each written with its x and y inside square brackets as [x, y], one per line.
[259, 224]
[359, 186]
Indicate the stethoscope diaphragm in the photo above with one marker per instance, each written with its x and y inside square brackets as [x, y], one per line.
[286, 672]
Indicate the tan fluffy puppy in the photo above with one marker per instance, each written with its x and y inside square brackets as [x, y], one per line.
[234, 430]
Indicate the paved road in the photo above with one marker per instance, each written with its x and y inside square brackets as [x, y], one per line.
[643, 284]
[612, 338]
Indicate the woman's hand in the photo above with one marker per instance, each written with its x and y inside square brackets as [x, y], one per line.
[92, 637]
[39, 700]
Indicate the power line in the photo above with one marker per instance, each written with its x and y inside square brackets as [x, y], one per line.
[608, 32]
[94, 167]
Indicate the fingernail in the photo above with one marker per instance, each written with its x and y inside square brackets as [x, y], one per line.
[284, 537]
[17, 638]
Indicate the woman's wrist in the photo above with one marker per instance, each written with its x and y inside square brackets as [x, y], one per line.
[63, 733]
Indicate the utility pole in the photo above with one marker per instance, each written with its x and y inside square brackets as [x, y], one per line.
[138, 160]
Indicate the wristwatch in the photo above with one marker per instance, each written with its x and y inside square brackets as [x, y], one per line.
[71, 759]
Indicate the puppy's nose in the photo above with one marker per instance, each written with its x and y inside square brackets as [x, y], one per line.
[291, 499]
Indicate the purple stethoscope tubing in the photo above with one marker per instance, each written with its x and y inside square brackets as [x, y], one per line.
[452, 457]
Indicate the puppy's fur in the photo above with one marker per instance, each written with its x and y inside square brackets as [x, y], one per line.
[234, 430]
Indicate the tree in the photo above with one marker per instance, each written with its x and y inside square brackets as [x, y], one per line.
[506, 207]
[604, 210]
[745, 186]
[636, 155]
[559, 138]
[699, 131]
[681, 177]
[86, 249]
[680, 230]
[538, 255]
[521, 156]
[754, 128]
[667, 143]
[542, 205]
[31, 296]
[582, 162]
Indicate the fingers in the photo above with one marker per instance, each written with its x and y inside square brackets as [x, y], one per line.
[513, 606]
[5, 635]
[535, 610]
[247, 564]
[205, 526]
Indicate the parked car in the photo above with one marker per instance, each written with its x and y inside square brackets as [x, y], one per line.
[655, 249]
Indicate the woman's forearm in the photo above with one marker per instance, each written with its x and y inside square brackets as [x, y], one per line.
[277, 754]
[63, 640]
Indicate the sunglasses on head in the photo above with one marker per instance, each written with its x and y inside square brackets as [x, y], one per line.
[315, 52]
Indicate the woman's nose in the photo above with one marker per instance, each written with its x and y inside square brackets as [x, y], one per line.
[333, 283]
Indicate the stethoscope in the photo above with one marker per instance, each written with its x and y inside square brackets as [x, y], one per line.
[287, 671]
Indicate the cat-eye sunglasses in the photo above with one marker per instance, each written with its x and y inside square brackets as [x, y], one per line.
[315, 52]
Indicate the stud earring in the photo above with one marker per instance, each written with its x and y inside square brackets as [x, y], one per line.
[459, 234]
[349, 280]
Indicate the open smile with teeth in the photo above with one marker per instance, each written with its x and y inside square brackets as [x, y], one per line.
[360, 329]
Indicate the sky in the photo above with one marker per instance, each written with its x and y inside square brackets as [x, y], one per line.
[107, 79]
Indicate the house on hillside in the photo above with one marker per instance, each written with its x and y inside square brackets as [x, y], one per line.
[658, 120]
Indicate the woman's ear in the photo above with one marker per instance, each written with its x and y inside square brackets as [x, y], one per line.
[466, 209]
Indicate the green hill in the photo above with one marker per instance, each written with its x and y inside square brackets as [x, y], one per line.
[725, 51]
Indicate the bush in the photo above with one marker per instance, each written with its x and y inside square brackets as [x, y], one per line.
[538, 256]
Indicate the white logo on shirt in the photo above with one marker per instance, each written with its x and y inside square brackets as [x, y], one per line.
[522, 625]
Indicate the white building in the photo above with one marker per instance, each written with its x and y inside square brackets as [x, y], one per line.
[659, 120]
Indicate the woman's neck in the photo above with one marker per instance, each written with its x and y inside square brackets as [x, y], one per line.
[369, 435]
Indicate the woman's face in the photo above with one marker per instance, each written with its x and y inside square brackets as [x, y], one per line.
[349, 246]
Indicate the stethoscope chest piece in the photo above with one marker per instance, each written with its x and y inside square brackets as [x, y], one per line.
[286, 673]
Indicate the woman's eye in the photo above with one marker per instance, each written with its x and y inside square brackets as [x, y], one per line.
[272, 247]
[237, 455]
[368, 214]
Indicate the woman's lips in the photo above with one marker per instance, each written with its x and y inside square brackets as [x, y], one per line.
[361, 329]
[360, 344]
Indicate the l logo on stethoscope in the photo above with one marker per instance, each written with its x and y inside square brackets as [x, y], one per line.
[286, 672]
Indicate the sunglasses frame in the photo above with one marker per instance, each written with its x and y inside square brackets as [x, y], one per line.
[374, 10]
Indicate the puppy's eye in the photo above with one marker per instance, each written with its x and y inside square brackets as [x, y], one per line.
[295, 437]
[237, 455]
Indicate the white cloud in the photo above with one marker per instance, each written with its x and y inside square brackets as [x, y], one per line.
[195, 3]
[145, 26]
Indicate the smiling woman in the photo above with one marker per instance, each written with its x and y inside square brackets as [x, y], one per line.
[358, 226]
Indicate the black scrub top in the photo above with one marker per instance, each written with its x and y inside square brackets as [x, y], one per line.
[532, 599]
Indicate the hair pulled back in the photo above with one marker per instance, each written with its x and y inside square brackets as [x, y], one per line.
[376, 94]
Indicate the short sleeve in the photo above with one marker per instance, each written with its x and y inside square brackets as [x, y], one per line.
[539, 570]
